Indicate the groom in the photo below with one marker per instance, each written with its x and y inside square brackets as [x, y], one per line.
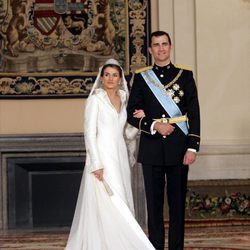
[170, 137]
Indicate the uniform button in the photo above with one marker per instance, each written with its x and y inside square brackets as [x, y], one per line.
[164, 136]
[163, 115]
[161, 75]
[145, 123]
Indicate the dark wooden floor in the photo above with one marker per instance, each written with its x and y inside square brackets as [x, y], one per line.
[197, 238]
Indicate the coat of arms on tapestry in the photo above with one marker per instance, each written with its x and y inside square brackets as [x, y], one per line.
[55, 47]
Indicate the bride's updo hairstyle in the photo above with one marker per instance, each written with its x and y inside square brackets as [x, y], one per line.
[111, 66]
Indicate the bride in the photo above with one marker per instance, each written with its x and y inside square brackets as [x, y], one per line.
[104, 215]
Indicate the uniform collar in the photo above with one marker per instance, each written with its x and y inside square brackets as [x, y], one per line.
[163, 68]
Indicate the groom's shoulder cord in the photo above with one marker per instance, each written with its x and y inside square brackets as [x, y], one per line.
[143, 69]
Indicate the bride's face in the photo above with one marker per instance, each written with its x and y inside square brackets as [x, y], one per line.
[111, 78]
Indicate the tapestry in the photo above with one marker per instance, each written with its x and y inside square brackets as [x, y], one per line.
[54, 48]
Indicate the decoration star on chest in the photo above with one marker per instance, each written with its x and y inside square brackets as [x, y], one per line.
[170, 92]
[176, 93]
[176, 99]
[181, 93]
[176, 87]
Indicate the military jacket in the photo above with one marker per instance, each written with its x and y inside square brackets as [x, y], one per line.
[180, 85]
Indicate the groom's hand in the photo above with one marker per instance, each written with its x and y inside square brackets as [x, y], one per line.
[164, 128]
[189, 157]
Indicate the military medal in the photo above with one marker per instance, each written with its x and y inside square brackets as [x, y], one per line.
[176, 86]
[170, 92]
[176, 99]
[181, 93]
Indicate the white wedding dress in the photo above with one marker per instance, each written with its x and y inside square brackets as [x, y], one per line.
[103, 221]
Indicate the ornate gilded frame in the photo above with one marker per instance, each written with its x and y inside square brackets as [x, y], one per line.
[45, 62]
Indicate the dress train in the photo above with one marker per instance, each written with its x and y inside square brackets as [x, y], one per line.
[105, 222]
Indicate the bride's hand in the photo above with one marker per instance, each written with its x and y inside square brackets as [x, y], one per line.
[138, 113]
[99, 174]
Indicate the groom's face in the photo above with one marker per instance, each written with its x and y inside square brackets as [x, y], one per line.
[160, 49]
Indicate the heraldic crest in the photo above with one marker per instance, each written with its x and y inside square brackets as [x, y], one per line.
[51, 35]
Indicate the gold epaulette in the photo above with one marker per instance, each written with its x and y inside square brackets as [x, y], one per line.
[143, 69]
[182, 67]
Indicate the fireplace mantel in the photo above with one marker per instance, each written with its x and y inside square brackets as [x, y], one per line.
[42, 143]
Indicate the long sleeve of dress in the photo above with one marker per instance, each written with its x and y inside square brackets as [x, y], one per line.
[91, 132]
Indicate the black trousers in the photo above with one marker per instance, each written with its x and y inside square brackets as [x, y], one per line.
[154, 180]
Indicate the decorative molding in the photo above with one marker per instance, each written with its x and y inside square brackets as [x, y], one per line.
[138, 14]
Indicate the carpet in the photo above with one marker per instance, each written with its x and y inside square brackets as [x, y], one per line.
[197, 238]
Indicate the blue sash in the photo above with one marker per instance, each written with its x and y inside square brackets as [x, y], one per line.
[164, 99]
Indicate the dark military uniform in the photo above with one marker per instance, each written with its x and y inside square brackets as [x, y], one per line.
[162, 156]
